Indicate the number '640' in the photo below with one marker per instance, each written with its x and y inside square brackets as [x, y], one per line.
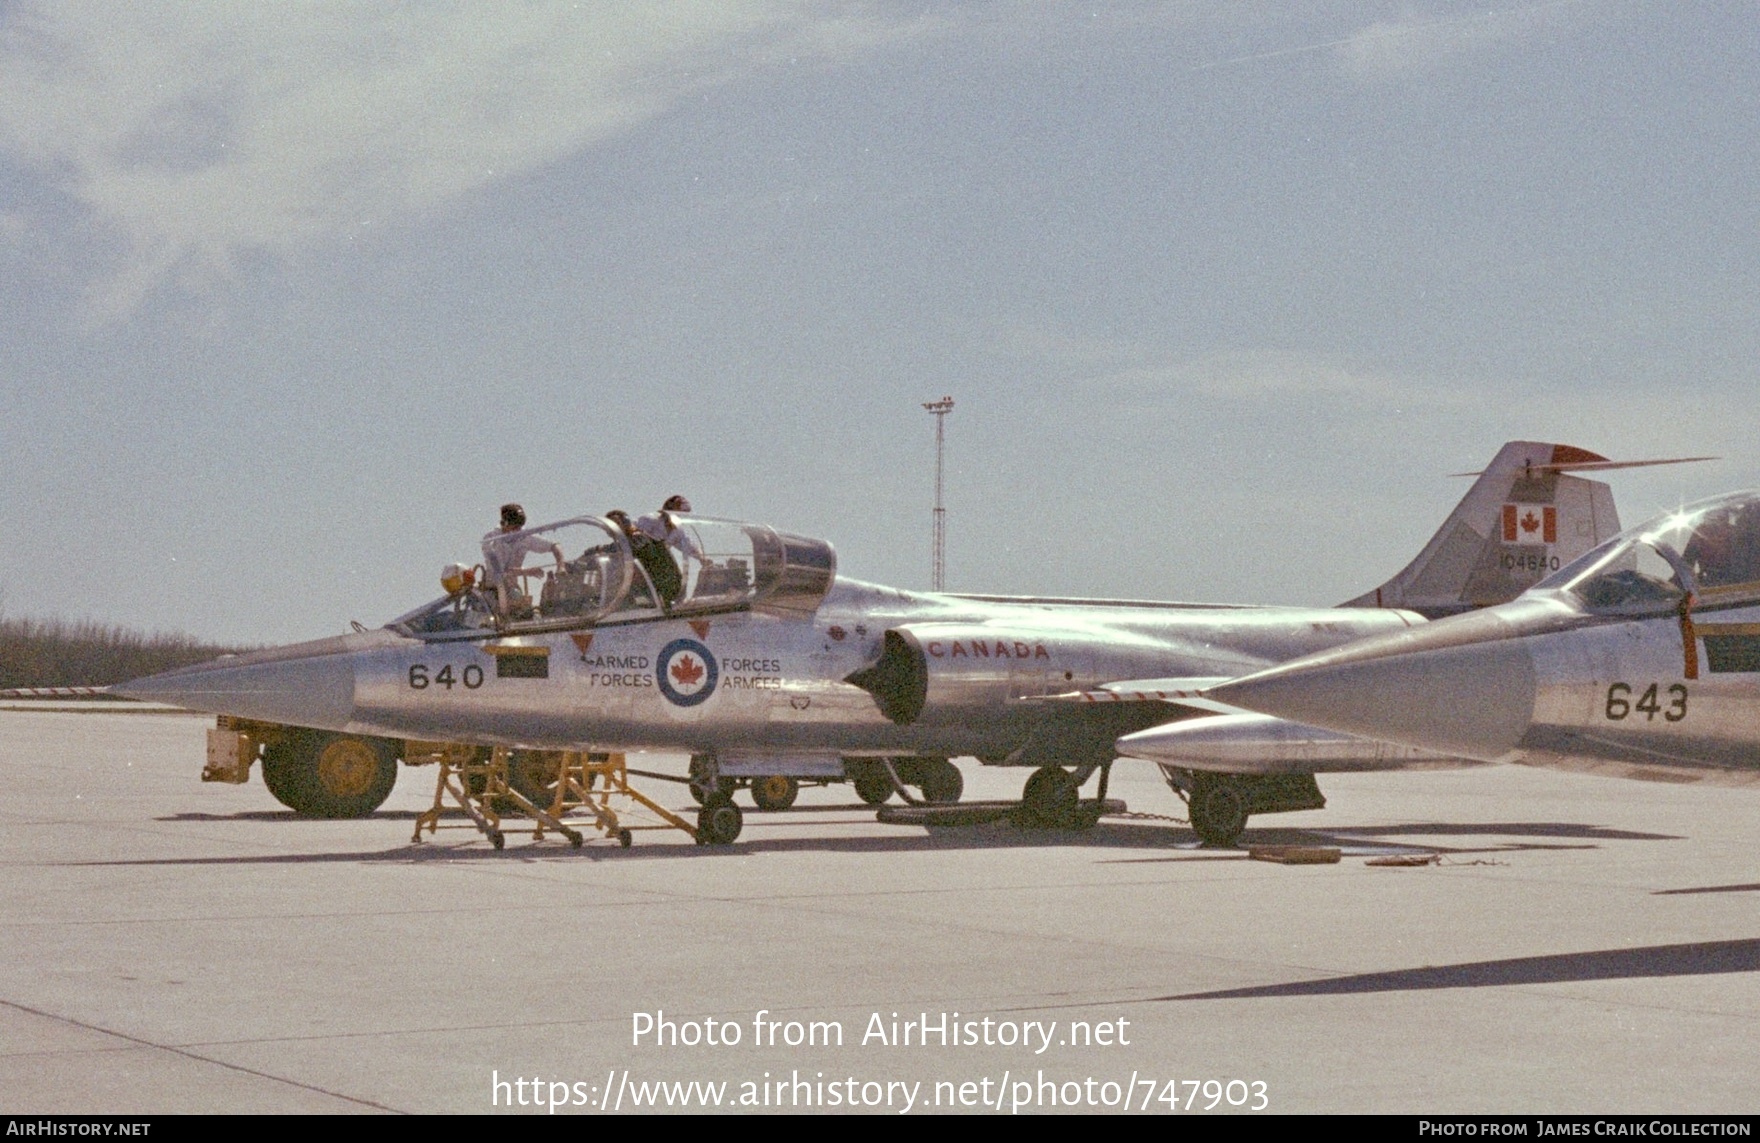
[1621, 705]
[422, 676]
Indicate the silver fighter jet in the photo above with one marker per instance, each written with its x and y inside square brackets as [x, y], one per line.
[1640, 658]
[754, 656]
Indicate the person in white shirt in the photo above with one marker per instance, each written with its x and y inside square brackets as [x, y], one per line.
[649, 538]
[662, 527]
[504, 553]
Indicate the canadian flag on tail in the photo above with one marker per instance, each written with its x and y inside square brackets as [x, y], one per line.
[1530, 524]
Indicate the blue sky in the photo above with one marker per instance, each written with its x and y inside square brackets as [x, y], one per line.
[292, 297]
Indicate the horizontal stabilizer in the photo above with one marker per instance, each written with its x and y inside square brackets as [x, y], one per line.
[1600, 464]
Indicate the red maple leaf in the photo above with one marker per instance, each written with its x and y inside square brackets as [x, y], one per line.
[1530, 522]
[685, 671]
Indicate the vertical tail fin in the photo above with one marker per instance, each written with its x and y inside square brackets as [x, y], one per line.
[1523, 519]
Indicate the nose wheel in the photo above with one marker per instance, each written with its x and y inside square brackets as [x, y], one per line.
[719, 821]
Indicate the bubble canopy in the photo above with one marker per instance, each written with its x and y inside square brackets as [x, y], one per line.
[708, 565]
[1709, 551]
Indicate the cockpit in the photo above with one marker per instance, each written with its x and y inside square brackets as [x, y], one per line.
[1709, 551]
[589, 571]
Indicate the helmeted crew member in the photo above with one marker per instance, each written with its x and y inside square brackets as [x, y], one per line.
[504, 551]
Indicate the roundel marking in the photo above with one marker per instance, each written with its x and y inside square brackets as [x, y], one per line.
[686, 672]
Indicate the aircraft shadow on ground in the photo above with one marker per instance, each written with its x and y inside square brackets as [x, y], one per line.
[456, 843]
[1704, 958]
[283, 816]
[1368, 841]
[1517, 829]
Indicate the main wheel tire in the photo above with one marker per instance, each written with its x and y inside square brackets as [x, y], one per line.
[775, 791]
[719, 822]
[533, 775]
[940, 781]
[1218, 807]
[1049, 798]
[322, 775]
[872, 785]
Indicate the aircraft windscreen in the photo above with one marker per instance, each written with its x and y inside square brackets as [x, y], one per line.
[1720, 545]
[566, 573]
[1711, 548]
[1632, 576]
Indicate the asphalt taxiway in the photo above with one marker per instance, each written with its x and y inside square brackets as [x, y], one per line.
[1580, 944]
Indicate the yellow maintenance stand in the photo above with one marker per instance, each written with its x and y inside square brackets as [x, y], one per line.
[546, 787]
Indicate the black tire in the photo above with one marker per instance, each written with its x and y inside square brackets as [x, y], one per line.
[775, 792]
[719, 822]
[1048, 800]
[870, 780]
[320, 775]
[940, 781]
[1218, 807]
[1087, 815]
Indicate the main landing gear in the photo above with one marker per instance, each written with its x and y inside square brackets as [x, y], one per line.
[1218, 807]
[1219, 804]
[877, 779]
[1052, 798]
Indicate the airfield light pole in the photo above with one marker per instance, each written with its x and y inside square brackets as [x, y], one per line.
[939, 573]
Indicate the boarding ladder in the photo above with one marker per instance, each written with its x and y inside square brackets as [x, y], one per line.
[586, 789]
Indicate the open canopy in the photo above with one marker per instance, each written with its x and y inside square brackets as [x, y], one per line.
[707, 565]
[1709, 550]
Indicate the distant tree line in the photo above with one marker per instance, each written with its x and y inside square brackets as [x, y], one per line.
[59, 653]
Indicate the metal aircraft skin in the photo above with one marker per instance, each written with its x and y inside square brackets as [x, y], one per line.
[1640, 659]
[767, 662]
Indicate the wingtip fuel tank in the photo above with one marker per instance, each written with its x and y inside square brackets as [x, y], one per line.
[1261, 744]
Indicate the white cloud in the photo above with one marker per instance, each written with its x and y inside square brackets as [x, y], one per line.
[203, 130]
[1390, 50]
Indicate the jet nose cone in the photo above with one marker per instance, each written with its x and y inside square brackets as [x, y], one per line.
[1463, 687]
[301, 685]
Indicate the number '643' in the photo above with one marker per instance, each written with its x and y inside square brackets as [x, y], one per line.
[1671, 704]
